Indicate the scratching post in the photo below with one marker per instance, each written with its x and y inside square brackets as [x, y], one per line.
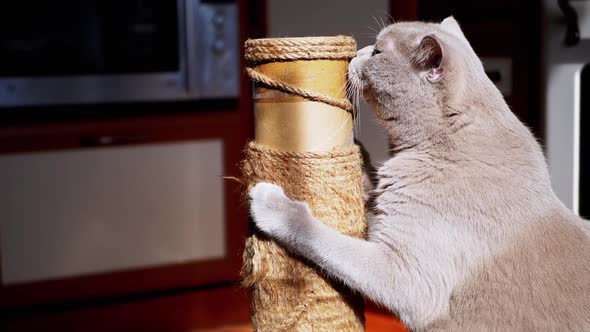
[304, 143]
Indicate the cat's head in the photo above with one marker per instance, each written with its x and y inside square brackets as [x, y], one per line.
[418, 73]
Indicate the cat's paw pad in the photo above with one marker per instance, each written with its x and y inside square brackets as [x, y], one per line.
[265, 191]
[269, 207]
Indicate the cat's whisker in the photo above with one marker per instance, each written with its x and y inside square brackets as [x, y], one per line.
[374, 30]
[377, 22]
[344, 88]
[357, 115]
[349, 94]
[372, 35]
[355, 96]
[390, 18]
[375, 19]
[348, 89]
[358, 107]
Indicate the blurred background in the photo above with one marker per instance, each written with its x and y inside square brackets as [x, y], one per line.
[118, 120]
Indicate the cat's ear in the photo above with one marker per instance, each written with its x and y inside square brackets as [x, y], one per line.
[452, 26]
[428, 58]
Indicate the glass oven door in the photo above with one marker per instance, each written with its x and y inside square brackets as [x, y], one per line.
[93, 51]
[93, 37]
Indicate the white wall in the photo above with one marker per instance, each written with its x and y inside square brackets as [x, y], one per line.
[563, 66]
[303, 18]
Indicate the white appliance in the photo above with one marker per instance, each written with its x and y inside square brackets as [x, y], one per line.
[564, 70]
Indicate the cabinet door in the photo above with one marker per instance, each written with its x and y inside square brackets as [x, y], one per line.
[77, 212]
[117, 208]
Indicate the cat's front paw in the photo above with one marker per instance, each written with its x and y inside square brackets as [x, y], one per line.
[272, 211]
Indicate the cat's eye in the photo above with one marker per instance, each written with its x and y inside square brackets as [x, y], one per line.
[375, 52]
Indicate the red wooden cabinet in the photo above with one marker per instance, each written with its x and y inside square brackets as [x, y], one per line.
[146, 298]
[140, 296]
[227, 126]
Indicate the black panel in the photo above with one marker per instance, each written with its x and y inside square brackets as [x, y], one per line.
[75, 37]
[468, 12]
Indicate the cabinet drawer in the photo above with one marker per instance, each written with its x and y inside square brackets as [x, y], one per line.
[76, 212]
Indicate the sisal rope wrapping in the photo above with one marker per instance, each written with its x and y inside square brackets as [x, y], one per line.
[308, 48]
[292, 49]
[288, 294]
[309, 95]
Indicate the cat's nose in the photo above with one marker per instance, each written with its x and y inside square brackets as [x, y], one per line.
[365, 51]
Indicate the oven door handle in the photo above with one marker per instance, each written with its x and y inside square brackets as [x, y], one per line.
[209, 48]
[93, 141]
[188, 39]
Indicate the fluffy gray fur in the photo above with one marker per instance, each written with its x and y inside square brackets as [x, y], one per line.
[466, 233]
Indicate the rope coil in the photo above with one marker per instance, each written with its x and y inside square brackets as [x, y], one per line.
[289, 295]
[291, 49]
[308, 48]
[307, 94]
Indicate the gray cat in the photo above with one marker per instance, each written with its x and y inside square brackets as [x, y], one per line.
[465, 232]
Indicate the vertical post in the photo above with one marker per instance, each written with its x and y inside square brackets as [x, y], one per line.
[303, 142]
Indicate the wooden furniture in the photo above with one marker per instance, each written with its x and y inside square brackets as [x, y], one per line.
[172, 310]
[180, 296]
[226, 126]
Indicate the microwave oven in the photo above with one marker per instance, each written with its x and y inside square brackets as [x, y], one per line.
[109, 51]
